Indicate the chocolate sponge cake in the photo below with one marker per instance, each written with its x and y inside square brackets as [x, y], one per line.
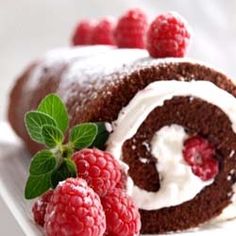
[163, 113]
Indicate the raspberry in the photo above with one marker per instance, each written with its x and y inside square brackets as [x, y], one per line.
[206, 171]
[122, 184]
[199, 154]
[101, 171]
[74, 209]
[122, 215]
[39, 207]
[103, 32]
[168, 36]
[83, 33]
[197, 150]
[131, 29]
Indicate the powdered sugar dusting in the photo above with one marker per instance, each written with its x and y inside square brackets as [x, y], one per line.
[97, 61]
[60, 56]
[87, 73]
[88, 69]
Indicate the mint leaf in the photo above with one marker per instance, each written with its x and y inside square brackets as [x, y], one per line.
[42, 163]
[66, 170]
[71, 167]
[83, 135]
[37, 185]
[102, 136]
[52, 136]
[54, 107]
[34, 121]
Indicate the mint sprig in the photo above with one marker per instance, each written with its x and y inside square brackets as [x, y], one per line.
[102, 135]
[42, 163]
[37, 185]
[34, 121]
[54, 107]
[53, 164]
[66, 170]
[83, 135]
[52, 136]
[42, 166]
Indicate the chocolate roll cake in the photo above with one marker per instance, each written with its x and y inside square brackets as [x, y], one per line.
[174, 125]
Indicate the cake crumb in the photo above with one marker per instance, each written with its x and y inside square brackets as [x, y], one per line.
[146, 145]
[229, 177]
[143, 160]
[231, 154]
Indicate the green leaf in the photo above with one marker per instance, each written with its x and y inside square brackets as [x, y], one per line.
[37, 185]
[71, 167]
[83, 135]
[66, 170]
[52, 136]
[34, 121]
[42, 163]
[54, 107]
[102, 136]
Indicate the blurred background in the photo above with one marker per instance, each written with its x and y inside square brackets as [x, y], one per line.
[28, 28]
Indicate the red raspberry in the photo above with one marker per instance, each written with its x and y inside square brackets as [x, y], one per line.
[199, 154]
[83, 33]
[103, 32]
[39, 207]
[74, 209]
[168, 36]
[131, 29]
[101, 171]
[122, 215]
[206, 171]
[122, 184]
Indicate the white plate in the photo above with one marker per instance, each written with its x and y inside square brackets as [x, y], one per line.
[14, 162]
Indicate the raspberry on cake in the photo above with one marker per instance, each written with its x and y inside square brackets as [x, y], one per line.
[103, 31]
[168, 36]
[83, 33]
[101, 171]
[131, 28]
[122, 184]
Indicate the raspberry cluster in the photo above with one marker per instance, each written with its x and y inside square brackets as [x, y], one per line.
[168, 35]
[93, 203]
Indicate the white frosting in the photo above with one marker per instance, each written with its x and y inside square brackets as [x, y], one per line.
[154, 95]
[178, 183]
[56, 58]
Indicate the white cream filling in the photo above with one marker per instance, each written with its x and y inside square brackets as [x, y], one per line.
[133, 115]
[175, 174]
